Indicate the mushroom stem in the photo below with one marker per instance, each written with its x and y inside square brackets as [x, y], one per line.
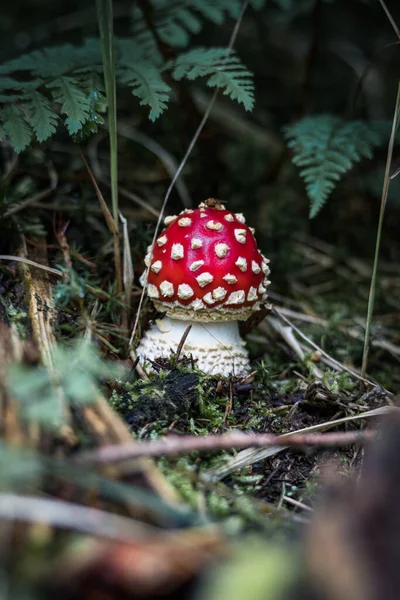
[216, 346]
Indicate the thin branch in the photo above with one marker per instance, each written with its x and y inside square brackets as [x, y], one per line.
[67, 515]
[389, 16]
[298, 504]
[183, 163]
[175, 445]
[27, 261]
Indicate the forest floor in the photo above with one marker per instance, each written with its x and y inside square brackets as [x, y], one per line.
[305, 378]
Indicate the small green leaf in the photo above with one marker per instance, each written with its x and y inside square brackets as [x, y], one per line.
[74, 102]
[147, 84]
[40, 115]
[16, 127]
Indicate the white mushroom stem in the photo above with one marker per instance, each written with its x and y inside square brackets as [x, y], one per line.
[217, 346]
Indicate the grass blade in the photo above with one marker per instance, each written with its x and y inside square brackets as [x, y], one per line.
[385, 190]
[105, 21]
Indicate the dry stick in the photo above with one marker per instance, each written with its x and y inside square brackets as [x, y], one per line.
[297, 503]
[389, 16]
[56, 272]
[182, 342]
[128, 275]
[175, 445]
[340, 365]
[66, 515]
[27, 261]
[183, 163]
[111, 223]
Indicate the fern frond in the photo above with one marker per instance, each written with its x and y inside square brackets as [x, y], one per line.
[40, 116]
[57, 60]
[325, 148]
[67, 74]
[74, 102]
[224, 71]
[176, 20]
[148, 86]
[143, 77]
[16, 127]
[10, 86]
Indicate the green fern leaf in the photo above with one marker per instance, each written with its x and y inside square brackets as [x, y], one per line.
[175, 21]
[15, 126]
[74, 102]
[147, 84]
[144, 79]
[224, 71]
[57, 60]
[135, 69]
[10, 86]
[325, 148]
[40, 115]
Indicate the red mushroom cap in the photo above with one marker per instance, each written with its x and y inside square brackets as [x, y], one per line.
[206, 266]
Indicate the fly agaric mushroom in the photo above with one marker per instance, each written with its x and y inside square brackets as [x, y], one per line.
[205, 270]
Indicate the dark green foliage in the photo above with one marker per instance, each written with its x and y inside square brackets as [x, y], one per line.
[325, 148]
[175, 21]
[65, 75]
[64, 80]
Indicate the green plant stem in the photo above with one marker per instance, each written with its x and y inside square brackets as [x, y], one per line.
[105, 21]
[385, 190]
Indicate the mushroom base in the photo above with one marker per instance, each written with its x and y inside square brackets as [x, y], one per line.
[217, 347]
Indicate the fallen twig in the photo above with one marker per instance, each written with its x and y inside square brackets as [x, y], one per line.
[174, 445]
[251, 455]
[67, 515]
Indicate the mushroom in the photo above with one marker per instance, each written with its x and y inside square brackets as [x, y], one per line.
[205, 270]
